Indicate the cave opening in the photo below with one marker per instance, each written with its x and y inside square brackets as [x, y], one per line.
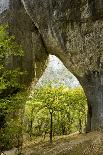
[57, 75]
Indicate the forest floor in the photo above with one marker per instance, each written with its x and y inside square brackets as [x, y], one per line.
[74, 144]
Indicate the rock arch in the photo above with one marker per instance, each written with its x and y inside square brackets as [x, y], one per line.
[73, 31]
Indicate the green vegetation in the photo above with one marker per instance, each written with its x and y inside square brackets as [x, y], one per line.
[9, 77]
[11, 102]
[56, 111]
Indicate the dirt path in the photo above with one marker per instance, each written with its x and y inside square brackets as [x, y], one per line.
[86, 144]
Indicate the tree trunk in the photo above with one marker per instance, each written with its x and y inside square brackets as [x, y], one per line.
[89, 116]
[31, 124]
[51, 126]
[93, 87]
[80, 126]
[63, 129]
[45, 134]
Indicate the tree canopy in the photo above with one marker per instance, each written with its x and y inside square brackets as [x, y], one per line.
[66, 107]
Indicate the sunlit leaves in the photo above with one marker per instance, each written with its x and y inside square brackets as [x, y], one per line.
[8, 45]
[68, 107]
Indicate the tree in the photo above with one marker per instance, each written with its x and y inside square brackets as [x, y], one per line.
[56, 110]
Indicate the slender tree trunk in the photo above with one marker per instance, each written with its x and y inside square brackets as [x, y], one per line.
[51, 127]
[63, 130]
[31, 124]
[93, 87]
[80, 126]
[89, 117]
[44, 135]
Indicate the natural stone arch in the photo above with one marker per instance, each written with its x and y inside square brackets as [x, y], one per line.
[72, 30]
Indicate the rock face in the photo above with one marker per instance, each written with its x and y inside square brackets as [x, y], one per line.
[27, 35]
[73, 31]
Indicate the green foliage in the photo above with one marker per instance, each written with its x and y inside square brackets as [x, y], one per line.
[12, 110]
[11, 107]
[68, 107]
[8, 49]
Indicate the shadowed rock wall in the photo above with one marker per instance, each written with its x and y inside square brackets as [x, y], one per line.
[27, 35]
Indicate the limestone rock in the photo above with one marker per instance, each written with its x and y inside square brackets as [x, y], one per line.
[71, 30]
[27, 35]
